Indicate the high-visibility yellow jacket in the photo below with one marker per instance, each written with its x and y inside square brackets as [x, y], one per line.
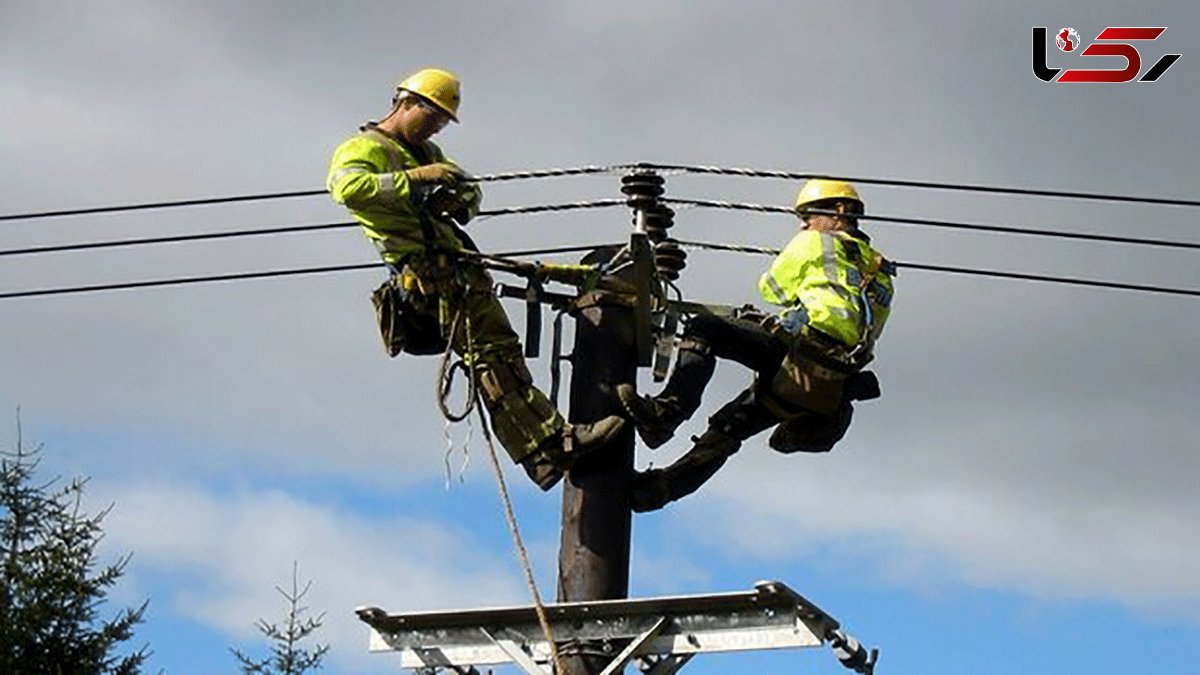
[367, 175]
[819, 280]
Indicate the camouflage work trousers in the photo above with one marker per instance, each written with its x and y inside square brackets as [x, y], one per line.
[522, 416]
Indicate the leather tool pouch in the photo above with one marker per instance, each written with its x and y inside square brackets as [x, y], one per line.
[405, 325]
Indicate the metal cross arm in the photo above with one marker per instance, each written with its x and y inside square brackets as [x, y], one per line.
[662, 634]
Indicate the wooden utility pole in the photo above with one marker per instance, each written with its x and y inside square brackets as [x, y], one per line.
[593, 557]
[612, 338]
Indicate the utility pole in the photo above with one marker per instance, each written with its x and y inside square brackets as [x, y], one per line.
[612, 338]
[597, 629]
[593, 557]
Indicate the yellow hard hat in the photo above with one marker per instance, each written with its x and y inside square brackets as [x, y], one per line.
[440, 87]
[820, 189]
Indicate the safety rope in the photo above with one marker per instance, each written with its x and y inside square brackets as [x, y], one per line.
[446, 372]
[511, 519]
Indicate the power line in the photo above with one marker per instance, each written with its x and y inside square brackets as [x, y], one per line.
[547, 208]
[592, 170]
[143, 206]
[949, 224]
[551, 173]
[266, 196]
[604, 203]
[739, 248]
[233, 234]
[929, 185]
[58, 248]
[1058, 280]
[693, 244]
[182, 281]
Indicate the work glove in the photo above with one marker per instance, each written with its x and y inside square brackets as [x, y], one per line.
[442, 173]
[452, 202]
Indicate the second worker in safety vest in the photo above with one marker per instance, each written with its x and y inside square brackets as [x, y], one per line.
[407, 196]
[836, 293]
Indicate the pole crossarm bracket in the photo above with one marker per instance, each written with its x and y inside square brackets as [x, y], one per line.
[662, 633]
[563, 301]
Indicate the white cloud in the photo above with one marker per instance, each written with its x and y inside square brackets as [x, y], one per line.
[226, 553]
[1029, 527]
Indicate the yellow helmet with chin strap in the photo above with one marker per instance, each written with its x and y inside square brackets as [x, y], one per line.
[441, 88]
[820, 189]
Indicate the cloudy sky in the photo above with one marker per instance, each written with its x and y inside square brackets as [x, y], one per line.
[1022, 499]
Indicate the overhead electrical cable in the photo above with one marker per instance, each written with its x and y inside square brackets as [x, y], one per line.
[289, 229]
[182, 281]
[610, 169]
[603, 203]
[928, 185]
[179, 281]
[1001, 274]
[949, 224]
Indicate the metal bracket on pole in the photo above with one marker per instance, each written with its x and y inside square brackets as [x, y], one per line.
[518, 655]
[618, 663]
[533, 317]
[663, 632]
[557, 357]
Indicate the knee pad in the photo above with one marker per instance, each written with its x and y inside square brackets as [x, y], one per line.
[523, 419]
[500, 377]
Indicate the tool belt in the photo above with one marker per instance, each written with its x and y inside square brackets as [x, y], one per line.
[812, 376]
[408, 321]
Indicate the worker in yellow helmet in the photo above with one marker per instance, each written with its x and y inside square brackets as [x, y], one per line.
[835, 291]
[411, 201]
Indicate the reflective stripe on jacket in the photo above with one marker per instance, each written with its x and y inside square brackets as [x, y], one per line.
[367, 176]
[817, 279]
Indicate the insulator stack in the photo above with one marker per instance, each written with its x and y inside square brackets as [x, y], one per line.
[658, 219]
[642, 189]
[669, 259]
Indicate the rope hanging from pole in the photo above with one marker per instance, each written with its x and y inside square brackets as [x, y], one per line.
[510, 517]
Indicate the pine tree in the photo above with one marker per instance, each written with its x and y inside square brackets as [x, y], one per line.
[52, 587]
[287, 656]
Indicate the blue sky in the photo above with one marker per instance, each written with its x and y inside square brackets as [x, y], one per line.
[1021, 500]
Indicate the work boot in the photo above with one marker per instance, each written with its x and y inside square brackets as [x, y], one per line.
[655, 488]
[655, 419]
[542, 470]
[559, 453]
[581, 439]
[650, 491]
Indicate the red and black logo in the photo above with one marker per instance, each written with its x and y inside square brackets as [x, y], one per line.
[1112, 41]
